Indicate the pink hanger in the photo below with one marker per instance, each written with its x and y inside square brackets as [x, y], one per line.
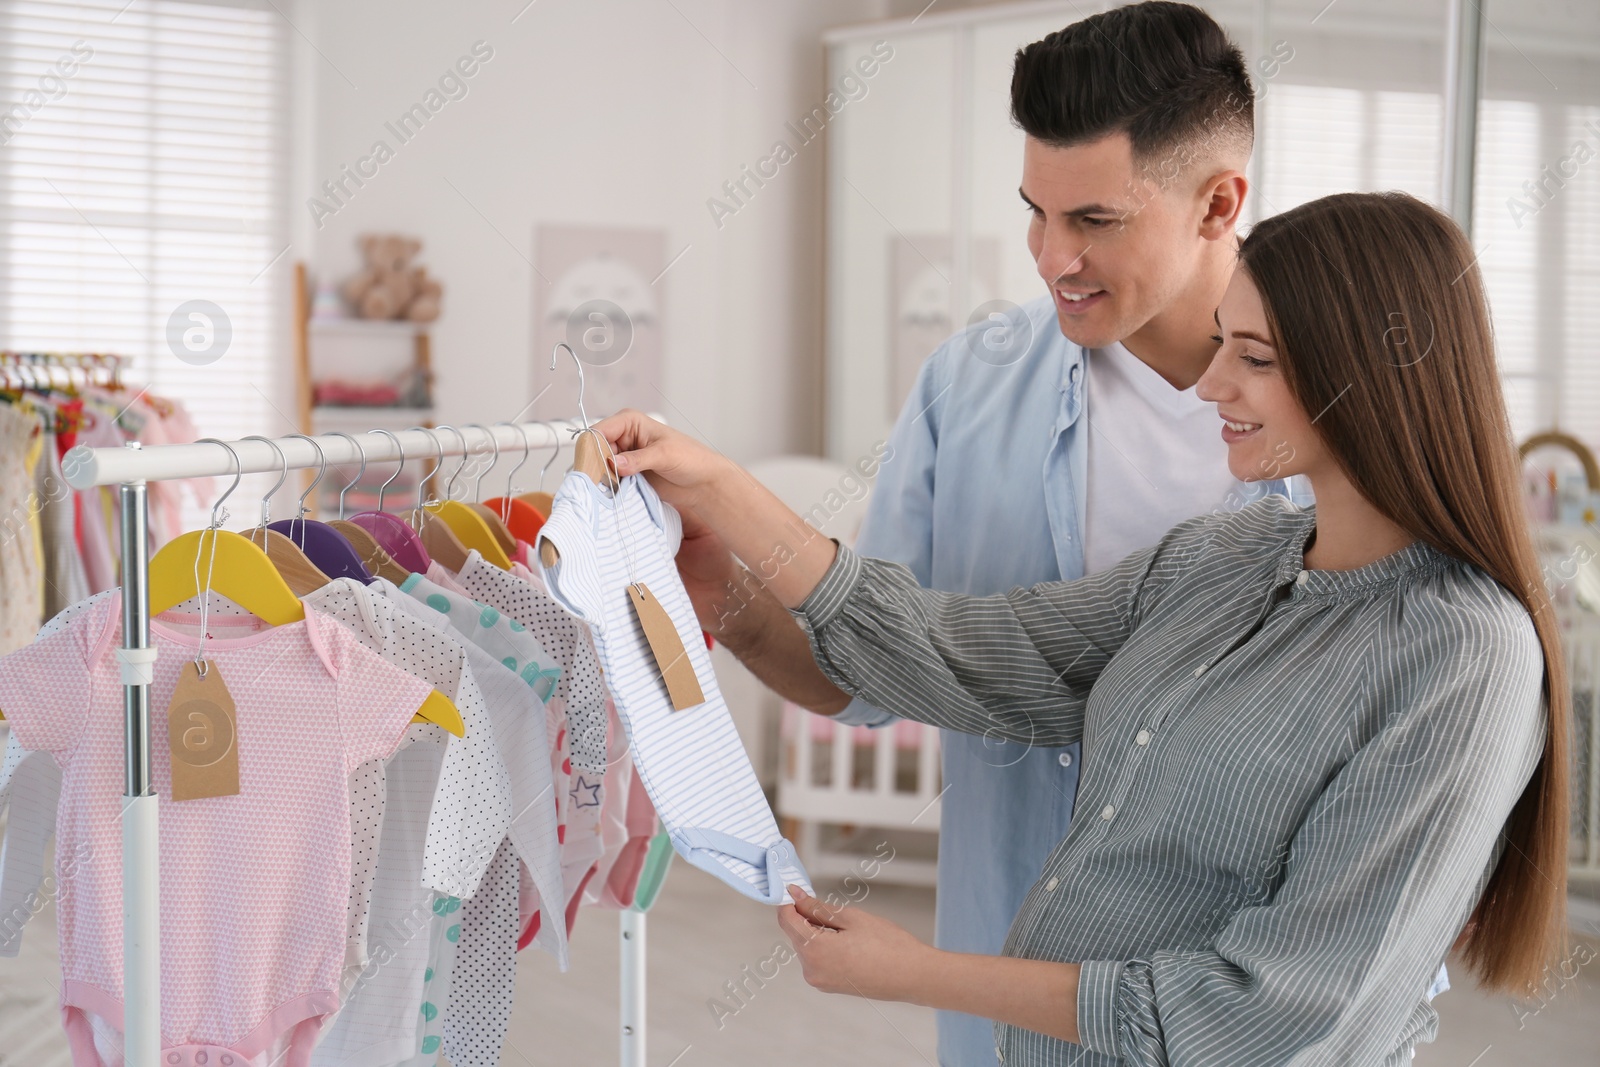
[393, 534]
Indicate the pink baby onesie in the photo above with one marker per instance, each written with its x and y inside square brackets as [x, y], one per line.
[254, 887]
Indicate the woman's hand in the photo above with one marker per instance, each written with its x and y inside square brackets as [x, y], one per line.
[744, 515]
[681, 469]
[847, 950]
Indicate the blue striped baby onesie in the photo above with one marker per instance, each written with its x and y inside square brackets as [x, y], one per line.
[692, 762]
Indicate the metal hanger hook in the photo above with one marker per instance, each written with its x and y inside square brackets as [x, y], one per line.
[555, 437]
[238, 476]
[266, 501]
[477, 485]
[322, 470]
[422, 484]
[363, 454]
[505, 508]
[398, 447]
[582, 414]
[450, 483]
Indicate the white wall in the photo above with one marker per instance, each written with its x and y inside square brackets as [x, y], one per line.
[606, 112]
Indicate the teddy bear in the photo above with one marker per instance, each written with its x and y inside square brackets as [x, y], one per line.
[389, 287]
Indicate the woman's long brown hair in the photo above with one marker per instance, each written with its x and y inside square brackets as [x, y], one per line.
[1377, 307]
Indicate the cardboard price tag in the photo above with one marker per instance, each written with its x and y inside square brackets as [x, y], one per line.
[667, 648]
[202, 732]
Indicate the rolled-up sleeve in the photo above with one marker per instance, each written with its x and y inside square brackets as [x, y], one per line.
[1018, 665]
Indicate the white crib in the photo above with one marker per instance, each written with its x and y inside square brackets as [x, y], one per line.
[861, 780]
[1582, 640]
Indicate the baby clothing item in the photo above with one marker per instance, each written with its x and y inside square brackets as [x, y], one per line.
[472, 807]
[253, 886]
[692, 762]
[481, 942]
[442, 806]
[31, 820]
[520, 723]
[627, 825]
[578, 692]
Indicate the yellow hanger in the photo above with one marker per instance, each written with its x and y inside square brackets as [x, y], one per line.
[467, 524]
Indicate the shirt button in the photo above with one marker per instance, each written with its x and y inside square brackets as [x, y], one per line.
[1198, 671]
[1142, 738]
[1065, 759]
[1050, 886]
[1108, 812]
[1300, 579]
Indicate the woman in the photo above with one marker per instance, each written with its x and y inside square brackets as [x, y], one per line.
[1318, 744]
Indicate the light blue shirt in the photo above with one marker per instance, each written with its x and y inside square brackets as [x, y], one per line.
[983, 490]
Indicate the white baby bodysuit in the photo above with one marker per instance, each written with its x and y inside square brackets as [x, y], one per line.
[692, 762]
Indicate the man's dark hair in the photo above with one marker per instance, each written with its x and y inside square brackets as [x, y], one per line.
[1163, 73]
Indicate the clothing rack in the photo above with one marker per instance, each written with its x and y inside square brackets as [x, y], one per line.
[132, 468]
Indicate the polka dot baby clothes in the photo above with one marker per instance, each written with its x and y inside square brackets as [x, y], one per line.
[472, 808]
[692, 761]
[579, 693]
[480, 945]
[580, 696]
[519, 720]
[445, 804]
[253, 886]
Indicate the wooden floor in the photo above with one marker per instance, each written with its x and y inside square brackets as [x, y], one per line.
[702, 937]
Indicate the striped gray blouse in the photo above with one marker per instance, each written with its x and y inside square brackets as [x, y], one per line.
[1293, 786]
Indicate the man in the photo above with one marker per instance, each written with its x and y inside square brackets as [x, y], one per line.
[1055, 443]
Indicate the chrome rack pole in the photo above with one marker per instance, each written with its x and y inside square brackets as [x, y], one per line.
[141, 929]
[633, 987]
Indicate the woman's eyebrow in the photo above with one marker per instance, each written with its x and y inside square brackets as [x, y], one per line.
[1251, 336]
[1248, 335]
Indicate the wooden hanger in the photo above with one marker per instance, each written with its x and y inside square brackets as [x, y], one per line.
[589, 461]
[471, 531]
[440, 540]
[497, 528]
[539, 501]
[293, 565]
[371, 553]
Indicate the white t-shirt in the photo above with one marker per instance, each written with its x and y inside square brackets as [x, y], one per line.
[1156, 457]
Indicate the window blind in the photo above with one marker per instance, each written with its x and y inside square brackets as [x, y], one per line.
[141, 167]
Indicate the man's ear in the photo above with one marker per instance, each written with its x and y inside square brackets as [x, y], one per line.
[1223, 198]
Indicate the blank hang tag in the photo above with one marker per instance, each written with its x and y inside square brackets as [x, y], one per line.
[667, 647]
[202, 731]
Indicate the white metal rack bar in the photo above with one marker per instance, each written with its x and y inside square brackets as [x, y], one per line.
[132, 468]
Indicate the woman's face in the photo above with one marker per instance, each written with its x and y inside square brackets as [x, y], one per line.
[1268, 434]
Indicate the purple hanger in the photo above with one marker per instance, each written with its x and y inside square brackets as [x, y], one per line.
[326, 547]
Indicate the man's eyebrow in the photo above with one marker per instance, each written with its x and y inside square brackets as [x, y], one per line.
[1086, 209]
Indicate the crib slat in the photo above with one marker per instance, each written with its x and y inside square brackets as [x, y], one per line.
[884, 764]
[928, 762]
[843, 749]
